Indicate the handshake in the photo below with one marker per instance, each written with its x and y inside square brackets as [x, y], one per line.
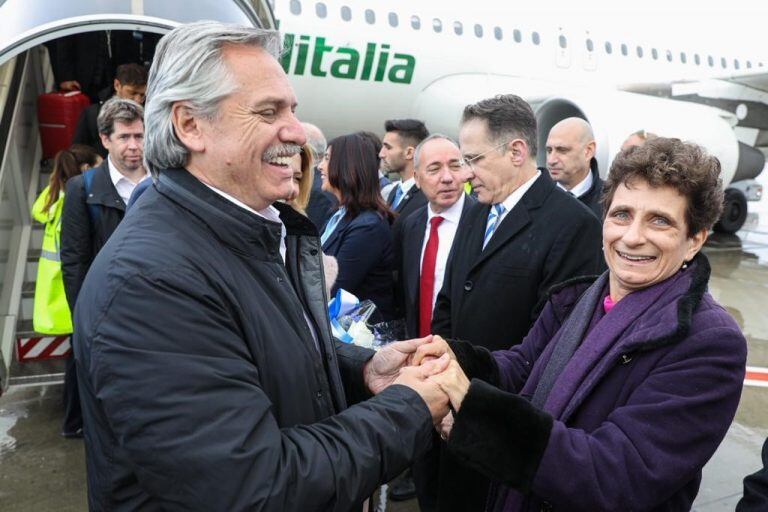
[426, 365]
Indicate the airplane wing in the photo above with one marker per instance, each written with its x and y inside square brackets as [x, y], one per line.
[743, 95]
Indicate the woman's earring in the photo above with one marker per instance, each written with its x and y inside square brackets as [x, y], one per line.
[685, 265]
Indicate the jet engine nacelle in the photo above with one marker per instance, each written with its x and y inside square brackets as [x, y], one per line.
[614, 116]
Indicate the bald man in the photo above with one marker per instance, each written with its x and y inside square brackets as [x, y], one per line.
[571, 163]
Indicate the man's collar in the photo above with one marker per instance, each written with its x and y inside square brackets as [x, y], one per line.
[115, 175]
[583, 186]
[269, 213]
[513, 198]
[406, 185]
[452, 214]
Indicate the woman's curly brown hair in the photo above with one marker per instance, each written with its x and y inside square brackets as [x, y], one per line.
[684, 166]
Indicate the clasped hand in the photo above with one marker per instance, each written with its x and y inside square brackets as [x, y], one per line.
[426, 365]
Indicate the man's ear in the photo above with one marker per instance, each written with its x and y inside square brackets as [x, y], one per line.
[409, 152]
[589, 150]
[105, 141]
[187, 127]
[518, 151]
[116, 85]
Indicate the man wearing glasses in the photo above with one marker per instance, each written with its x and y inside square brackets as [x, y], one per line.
[524, 236]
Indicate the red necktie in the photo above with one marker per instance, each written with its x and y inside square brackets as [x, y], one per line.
[427, 278]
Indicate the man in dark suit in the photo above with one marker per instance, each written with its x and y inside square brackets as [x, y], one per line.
[397, 149]
[91, 214]
[426, 243]
[130, 83]
[524, 236]
[571, 161]
[321, 204]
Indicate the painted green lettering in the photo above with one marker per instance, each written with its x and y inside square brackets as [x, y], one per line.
[346, 67]
[285, 58]
[405, 69]
[317, 59]
[381, 68]
[301, 59]
[370, 53]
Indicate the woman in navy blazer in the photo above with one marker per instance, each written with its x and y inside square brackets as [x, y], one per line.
[357, 235]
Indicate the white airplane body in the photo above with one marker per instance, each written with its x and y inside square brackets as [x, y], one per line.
[398, 59]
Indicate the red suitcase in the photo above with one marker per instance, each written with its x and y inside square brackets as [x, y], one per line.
[57, 114]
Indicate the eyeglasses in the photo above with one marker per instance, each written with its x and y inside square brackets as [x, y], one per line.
[469, 162]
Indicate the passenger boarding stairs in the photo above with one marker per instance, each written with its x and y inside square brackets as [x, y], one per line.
[22, 176]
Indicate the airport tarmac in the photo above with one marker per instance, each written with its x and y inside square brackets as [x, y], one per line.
[41, 471]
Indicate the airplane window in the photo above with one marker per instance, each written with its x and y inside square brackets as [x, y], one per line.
[415, 22]
[749, 64]
[723, 62]
[669, 56]
[321, 10]
[710, 61]
[697, 59]
[437, 25]
[562, 41]
[736, 63]
[497, 33]
[608, 47]
[478, 30]
[590, 45]
[458, 28]
[624, 50]
[536, 38]
[346, 13]
[370, 17]
[393, 21]
[295, 7]
[655, 53]
[759, 64]
[639, 52]
[517, 35]
[683, 57]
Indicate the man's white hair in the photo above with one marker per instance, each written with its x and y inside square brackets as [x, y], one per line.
[189, 66]
[417, 151]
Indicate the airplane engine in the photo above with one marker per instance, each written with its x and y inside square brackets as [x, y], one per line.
[614, 115]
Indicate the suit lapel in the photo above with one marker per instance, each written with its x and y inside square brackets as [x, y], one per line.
[412, 257]
[343, 223]
[517, 218]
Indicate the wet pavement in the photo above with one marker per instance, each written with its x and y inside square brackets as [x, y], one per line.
[41, 471]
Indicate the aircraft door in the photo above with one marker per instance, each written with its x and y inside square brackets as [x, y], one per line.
[27, 24]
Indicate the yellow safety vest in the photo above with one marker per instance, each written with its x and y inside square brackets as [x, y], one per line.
[51, 313]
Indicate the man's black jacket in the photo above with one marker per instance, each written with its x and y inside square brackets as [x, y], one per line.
[201, 383]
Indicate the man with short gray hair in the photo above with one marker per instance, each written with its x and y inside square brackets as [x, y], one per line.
[94, 207]
[524, 236]
[209, 377]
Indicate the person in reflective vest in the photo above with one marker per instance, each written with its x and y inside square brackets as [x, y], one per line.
[51, 313]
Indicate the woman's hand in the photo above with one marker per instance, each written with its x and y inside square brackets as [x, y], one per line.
[453, 382]
[432, 350]
[445, 426]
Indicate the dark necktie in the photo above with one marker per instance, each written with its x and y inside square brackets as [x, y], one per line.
[427, 277]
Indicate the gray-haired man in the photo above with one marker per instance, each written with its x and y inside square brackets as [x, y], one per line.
[209, 379]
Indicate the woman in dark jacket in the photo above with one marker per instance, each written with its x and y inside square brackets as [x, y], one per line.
[357, 235]
[624, 388]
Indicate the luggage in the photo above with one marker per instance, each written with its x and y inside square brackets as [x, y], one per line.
[57, 114]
